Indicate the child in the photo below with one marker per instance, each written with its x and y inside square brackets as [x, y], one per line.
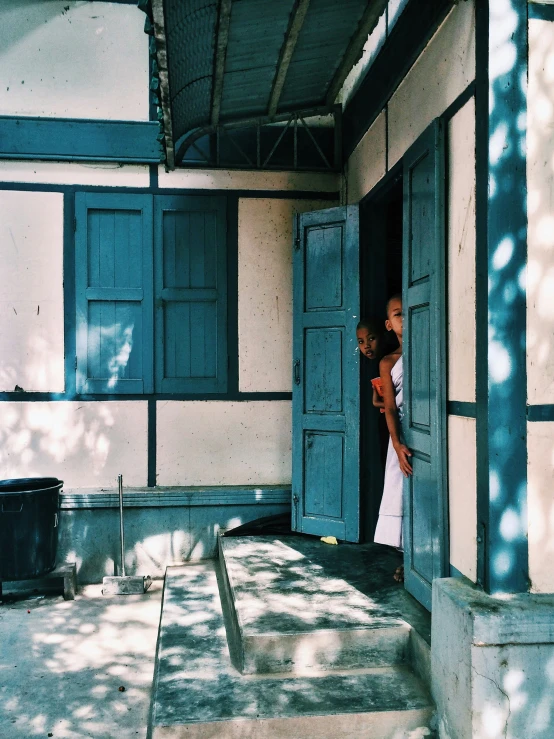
[369, 342]
[389, 525]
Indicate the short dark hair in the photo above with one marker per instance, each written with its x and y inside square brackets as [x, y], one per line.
[371, 324]
[396, 296]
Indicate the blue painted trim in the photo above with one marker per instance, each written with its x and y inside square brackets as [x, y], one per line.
[238, 397]
[152, 440]
[541, 11]
[233, 295]
[70, 330]
[461, 408]
[481, 283]
[252, 194]
[462, 99]
[170, 497]
[455, 572]
[537, 413]
[153, 177]
[501, 256]
[63, 139]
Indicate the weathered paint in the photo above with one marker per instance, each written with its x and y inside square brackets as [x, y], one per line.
[85, 444]
[368, 162]
[540, 211]
[265, 291]
[462, 495]
[31, 291]
[241, 180]
[440, 75]
[72, 173]
[540, 504]
[461, 255]
[97, 67]
[223, 443]
[326, 391]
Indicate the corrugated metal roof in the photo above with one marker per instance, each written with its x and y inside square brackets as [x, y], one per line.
[273, 56]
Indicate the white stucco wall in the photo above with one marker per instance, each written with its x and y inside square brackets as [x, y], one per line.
[223, 443]
[442, 72]
[461, 255]
[540, 505]
[31, 291]
[97, 68]
[74, 173]
[85, 444]
[368, 162]
[462, 491]
[540, 205]
[265, 291]
[242, 180]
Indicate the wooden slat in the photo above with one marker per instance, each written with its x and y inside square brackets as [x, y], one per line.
[291, 37]
[224, 19]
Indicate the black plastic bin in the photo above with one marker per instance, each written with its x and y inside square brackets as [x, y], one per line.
[28, 527]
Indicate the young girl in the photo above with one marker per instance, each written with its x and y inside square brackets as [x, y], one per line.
[389, 525]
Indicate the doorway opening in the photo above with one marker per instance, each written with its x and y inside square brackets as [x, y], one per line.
[381, 226]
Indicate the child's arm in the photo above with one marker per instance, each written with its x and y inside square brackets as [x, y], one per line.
[378, 402]
[391, 414]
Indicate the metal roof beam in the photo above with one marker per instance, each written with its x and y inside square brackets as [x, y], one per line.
[291, 37]
[165, 99]
[372, 13]
[224, 20]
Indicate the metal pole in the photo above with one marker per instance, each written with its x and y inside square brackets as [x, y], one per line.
[121, 535]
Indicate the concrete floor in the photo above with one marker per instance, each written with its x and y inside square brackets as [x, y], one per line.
[62, 664]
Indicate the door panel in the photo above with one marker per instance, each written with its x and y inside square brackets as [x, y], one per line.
[326, 374]
[424, 424]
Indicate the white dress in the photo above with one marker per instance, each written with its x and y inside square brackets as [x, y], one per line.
[389, 525]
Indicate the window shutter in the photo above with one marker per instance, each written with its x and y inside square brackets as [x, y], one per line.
[114, 296]
[191, 294]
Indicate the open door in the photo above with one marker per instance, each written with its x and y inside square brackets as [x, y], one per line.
[424, 353]
[325, 398]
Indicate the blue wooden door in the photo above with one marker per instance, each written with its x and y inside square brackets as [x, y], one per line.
[424, 356]
[325, 399]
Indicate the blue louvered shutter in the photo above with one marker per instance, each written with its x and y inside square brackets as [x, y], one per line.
[190, 294]
[114, 293]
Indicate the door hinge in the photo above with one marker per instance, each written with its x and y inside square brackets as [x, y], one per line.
[75, 362]
[297, 243]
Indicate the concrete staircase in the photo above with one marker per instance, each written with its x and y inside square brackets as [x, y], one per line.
[265, 643]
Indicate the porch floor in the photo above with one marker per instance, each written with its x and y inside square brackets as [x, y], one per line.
[62, 664]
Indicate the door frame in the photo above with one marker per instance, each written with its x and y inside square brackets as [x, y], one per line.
[372, 265]
[371, 202]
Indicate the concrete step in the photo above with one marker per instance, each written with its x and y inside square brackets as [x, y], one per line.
[198, 693]
[288, 615]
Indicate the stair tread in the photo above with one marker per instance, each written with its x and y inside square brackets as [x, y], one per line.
[195, 681]
[277, 589]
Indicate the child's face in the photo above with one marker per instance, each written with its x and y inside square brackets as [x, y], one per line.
[394, 316]
[368, 342]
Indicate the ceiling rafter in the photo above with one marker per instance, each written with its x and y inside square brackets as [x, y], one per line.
[291, 37]
[165, 98]
[372, 13]
[224, 20]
